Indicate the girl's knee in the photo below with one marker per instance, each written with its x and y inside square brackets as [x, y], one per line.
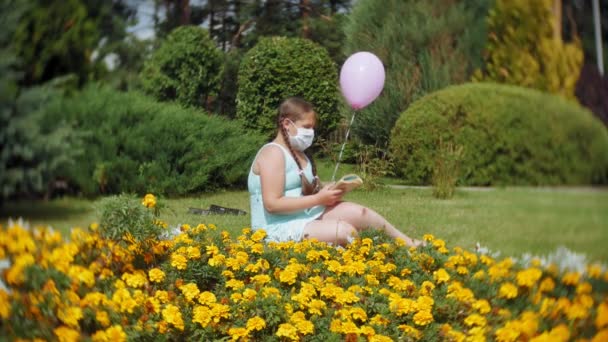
[345, 232]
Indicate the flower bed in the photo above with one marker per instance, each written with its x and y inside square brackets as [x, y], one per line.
[201, 284]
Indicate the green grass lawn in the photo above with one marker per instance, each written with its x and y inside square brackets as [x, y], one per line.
[510, 220]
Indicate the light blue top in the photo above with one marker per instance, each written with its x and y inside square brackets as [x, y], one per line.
[281, 227]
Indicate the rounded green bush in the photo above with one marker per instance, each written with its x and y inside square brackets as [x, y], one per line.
[187, 67]
[510, 135]
[279, 67]
[133, 143]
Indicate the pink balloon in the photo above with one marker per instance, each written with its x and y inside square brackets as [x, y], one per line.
[361, 79]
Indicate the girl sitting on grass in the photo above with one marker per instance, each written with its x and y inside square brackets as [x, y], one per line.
[287, 199]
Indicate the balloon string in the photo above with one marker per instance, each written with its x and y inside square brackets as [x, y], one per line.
[333, 177]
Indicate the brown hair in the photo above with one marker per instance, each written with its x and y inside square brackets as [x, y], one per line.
[293, 108]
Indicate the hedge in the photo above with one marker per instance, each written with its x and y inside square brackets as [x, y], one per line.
[510, 136]
[187, 67]
[135, 144]
[279, 67]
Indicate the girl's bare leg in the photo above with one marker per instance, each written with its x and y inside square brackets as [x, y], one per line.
[362, 218]
[339, 232]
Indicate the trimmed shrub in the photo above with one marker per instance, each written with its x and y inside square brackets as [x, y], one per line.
[279, 67]
[510, 135]
[135, 144]
[424, 46]
[187, 67]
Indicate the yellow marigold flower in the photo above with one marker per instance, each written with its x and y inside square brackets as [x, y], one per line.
[257, 248]
[219, 311]
[577, 311]
[190, 291]
[316, 307]
[179, 261]
[380, 338]
[462, 270]
[149, 201]
[529, 323]
[441, 276]
[193, 252]
[509, 332]
[288, 331]
[70, 316]
[486, 260]
[601, 336]
[529, 277]
[428, 237]
[249, 294]
[585, 300]
[236, 297]
[99, 336]
[173, 316]
[261, 279]
[103, 318]
[547, 285]
[256, 323]
[379, 320]
[304, 326]
[423, 318]
[288, 276]
[475, 320]
[571, 278]
[115, 333]
[359, 314]
[482, 306]
[82, 274]
[479, 275]
[372, 280]
[259, 235]
[212, 250]
[162, 296]
[508, 291]
[202, 315]
[410, 331]
[424, 303]
[560, 333]
[594, 271]
[238, 333]
[14, 275]
[584, 288]
[235, 284]
[271, 291]
[601, 320]
[135, 280]
[93, 299]
[156, 275]
[5, 305]
[122, 297]
[65, 334]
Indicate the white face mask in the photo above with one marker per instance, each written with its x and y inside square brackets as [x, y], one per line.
[303, 138]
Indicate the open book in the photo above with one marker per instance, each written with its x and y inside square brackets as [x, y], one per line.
[348, 182]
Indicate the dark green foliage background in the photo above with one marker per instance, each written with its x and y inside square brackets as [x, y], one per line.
[279, 67]
[424, 46]
[511, 136]
[187, 67]
[135, 144]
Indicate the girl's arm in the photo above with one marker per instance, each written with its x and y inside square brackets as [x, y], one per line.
[271, 166]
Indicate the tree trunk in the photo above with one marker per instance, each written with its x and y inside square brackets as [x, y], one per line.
[557, 20]
[305, 15]
[185, 4]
